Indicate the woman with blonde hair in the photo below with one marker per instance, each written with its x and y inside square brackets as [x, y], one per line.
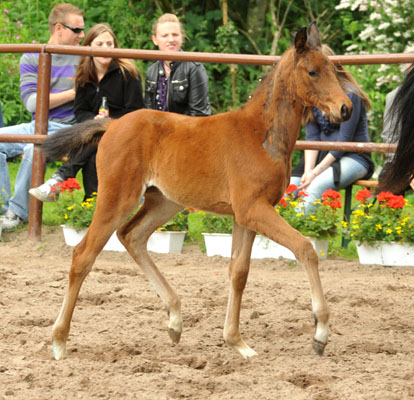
[175, 86]
[96, 78]
[321, 170]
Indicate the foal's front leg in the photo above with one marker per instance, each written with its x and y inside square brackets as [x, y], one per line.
[239, 269]
[262, 217]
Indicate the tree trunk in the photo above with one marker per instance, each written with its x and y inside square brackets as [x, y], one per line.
[256, 17]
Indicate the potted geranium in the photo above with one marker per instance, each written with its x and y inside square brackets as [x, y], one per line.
[383, 227]
[76, 214]
[318, 224]
[217, 232]
[169, 238]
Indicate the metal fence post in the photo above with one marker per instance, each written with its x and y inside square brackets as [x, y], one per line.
[41, 125]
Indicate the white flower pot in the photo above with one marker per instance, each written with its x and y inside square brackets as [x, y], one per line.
[263, 247]
[159, 242]
[266, 248]
[389, 254]
[220, 244]
[166, 242]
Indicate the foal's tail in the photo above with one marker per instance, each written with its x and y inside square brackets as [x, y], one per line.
[68, 141]
[401, 170]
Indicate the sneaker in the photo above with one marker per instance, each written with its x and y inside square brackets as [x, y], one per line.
[44, 192]
[11, 221]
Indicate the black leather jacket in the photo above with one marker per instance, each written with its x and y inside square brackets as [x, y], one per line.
[187, 90]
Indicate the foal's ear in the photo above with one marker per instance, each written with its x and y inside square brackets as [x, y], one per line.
[314, 38]
[301, 39]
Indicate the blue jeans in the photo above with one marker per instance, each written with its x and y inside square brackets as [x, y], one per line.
[19, 203]
[351, 171]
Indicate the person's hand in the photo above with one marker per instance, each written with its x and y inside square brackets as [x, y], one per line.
[307, 178]
[99, 116]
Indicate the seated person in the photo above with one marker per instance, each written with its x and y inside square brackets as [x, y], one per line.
[118, 81]
[66, 27]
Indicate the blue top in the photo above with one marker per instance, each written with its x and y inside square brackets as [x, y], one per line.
[353, 130]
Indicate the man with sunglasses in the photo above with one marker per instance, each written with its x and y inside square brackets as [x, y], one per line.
[66, 26]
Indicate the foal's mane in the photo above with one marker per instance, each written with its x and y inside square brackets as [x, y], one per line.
[283, 66]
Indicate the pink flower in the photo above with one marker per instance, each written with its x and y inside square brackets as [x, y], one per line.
[5, 11]
[17, 37]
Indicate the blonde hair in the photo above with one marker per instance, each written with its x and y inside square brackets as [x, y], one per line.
[86, 72]
[167, 17]
[59, 13]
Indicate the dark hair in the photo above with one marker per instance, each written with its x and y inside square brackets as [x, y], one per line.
[86, 72]
[400, 171]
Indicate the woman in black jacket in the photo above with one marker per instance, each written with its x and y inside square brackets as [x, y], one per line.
[175, 86]
[96, 78]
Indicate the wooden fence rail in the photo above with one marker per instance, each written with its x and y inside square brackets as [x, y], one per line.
[42, 105]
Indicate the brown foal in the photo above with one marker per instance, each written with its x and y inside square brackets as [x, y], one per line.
[235, 163]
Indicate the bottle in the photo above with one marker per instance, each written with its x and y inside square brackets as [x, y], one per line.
[103, 109]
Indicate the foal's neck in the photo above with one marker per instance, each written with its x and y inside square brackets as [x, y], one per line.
[277, 108]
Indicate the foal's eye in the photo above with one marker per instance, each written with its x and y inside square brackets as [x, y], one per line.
[313, 74]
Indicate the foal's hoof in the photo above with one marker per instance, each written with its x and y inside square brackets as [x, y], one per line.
[318, 347]
[247, 352]
[59, 350]
[174, 335]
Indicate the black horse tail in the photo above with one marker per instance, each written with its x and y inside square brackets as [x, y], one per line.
[401, 169]
[69, 141]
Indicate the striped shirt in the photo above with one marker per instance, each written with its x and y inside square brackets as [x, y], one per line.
[62, 71]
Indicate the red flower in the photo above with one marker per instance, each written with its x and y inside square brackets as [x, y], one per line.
[385, 196]
[283, 202]
[302, 194]
[331, 194]
[363, 195]
[336, 204]
[396, 202]
[291, 188]
[332, 204]
[69, 185]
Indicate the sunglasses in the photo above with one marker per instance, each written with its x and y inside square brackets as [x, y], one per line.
[77, 31]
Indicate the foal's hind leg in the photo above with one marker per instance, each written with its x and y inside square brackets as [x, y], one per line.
[239, 269]
[103, 225]
[134, 235]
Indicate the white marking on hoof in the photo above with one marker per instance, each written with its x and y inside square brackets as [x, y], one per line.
[321, 334]
[247, 352]
[175, 327]
[59, 350]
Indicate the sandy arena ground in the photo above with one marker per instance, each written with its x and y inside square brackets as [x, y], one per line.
[119, 347]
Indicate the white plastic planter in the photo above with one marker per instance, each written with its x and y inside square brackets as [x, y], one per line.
[220, 244]
[159, 242]
[387, 254]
